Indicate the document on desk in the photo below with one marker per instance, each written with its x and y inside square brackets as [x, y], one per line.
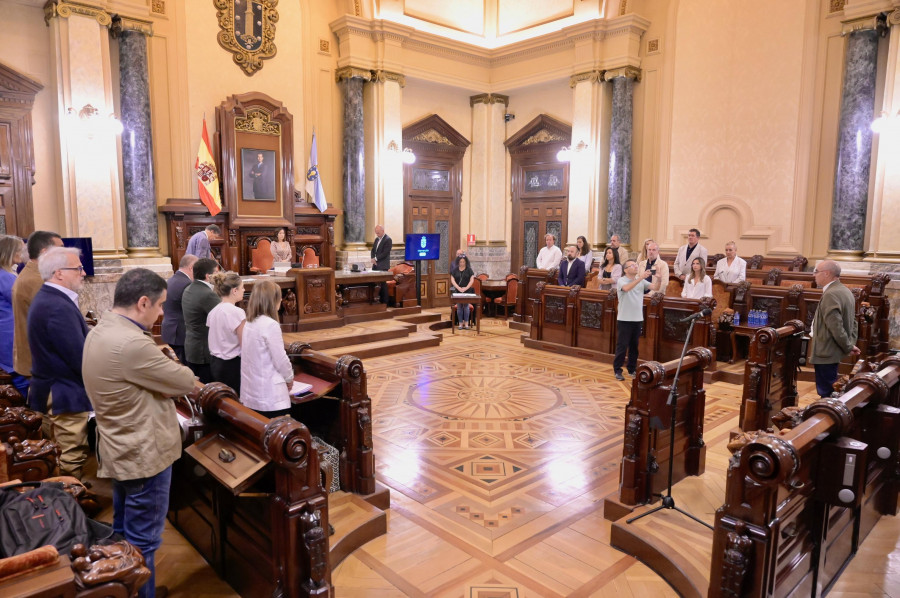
[462, 295]
[299, 388]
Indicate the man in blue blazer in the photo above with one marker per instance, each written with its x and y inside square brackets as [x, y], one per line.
[56, 333]
[173, 317]
[571, 269]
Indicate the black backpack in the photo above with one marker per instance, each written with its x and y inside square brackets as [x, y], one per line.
[44, 514]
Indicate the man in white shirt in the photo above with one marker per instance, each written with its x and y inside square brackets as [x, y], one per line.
[549, 256]
[614, 244]
[731, 268]
[689, 251]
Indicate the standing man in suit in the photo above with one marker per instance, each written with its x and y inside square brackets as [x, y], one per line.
[688, 252]
[197, 301]
[834, 327]
[56, 331]
[173, 316]
[571, 269]
[381, 257]
[199, 243]
[24, 289]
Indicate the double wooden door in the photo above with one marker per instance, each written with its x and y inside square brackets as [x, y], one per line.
[435, 216]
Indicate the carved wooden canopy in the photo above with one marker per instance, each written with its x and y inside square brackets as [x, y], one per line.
[434, 134]
[542, 133]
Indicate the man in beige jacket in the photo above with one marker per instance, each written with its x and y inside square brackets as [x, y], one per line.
[130, 382]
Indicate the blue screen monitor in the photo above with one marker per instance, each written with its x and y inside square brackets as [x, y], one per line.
[423, 247]
[86, 245]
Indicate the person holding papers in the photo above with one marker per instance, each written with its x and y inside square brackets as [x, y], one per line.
[266, 371]
[462, 279]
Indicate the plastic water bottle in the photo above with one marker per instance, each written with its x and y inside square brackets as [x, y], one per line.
[765, 318]
[754, 320]
[737, 318]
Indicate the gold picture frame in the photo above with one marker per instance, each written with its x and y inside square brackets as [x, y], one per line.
[247, 31]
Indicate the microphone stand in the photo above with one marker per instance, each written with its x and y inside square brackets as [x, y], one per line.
[668, 502]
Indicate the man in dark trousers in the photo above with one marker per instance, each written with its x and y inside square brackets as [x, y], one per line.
[56, 333]
[197, 301]
[834, 327]
[571, 269]
[381, 257]
[173, 317]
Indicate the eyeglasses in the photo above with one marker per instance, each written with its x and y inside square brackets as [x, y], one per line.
[79, 268]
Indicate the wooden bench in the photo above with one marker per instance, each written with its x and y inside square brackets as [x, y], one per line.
[799, 502]
[528, 281]
[645, 454]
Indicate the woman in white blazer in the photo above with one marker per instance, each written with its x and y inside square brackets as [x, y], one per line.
[697, 285]
[731, 268]
[266, 370]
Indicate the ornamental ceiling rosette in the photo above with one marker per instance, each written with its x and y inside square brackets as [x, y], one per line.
[247, 31]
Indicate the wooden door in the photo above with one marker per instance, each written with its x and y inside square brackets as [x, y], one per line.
[17, 93]
[432, 190]
[540, 188]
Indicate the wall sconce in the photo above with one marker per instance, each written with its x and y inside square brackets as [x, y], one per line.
[567, 154]
[887, 123]
[88, 121]
[406, 156]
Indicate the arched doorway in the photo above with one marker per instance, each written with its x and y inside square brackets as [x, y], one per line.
[539, 186]
[432, 192]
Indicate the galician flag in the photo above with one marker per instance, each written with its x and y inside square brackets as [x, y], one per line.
[207, 177]
[313, 182]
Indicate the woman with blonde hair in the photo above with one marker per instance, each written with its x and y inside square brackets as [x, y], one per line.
[266, 371]
[226, 325]
[697, 285]
[643, 257]
[11, 254]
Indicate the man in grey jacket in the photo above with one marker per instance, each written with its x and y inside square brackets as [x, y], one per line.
[834, 327]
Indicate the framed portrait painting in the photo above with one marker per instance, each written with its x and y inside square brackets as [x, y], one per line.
[258, 171]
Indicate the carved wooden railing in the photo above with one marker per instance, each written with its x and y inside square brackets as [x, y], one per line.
[799, 502]
[342, 418]
[266, 533]
[770, 376]
[528, 281]
[645, 456]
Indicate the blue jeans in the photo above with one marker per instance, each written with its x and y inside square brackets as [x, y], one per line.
[826, 376]
[139, 514]
[462, 313]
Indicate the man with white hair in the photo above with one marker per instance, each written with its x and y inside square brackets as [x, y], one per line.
[549, 256]
[834, 327]
[56, 333]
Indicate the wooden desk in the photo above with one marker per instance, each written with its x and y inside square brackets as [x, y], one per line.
[360, 292]
[474, 302]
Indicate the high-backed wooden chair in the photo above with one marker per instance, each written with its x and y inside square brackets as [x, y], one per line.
[310, 259]
[509, 299]
[261, 259]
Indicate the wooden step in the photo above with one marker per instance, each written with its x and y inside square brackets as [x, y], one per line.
[423, 318]
[355, 522]
[389, 347]
[358, 336]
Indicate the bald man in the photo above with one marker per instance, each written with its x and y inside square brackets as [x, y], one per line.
[834, 327]
[381, 257]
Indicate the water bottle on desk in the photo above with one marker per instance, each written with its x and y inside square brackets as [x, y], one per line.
[737, 318]
[752, 319]
[765, 318]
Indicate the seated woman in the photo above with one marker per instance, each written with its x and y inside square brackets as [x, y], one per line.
[731, 268]
[226, 325]
[266, 372]
[12, 253]
[281, 249]
[643, 256]
[584, 253]
[610, 269]
[697, 285]
[462, 279]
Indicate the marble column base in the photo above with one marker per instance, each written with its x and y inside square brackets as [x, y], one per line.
[97, 293]
[144, 252]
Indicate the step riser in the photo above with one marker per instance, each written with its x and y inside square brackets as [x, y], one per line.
[369, 337]
[403, 347]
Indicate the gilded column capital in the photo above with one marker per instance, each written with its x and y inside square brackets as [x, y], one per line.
[594, 76]
[629, 72]
[352, 72]
[489, 98]
[121, 24]
[867, 23]
[64, 9]
[380, 76]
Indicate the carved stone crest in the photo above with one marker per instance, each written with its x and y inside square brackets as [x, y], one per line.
[247, 30]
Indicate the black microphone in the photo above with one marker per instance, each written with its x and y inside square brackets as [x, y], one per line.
[698, 315]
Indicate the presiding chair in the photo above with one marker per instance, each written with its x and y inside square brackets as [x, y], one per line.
[310, 259]
[261, 259]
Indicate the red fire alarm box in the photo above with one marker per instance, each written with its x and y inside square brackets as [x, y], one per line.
[470, 240]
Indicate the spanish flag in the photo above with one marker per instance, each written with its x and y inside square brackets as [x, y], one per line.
[207, 176]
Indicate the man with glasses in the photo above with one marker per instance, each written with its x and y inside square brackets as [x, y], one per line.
[56, 333]
[834, 328]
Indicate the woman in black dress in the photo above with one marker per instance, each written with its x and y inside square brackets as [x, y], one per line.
[462, 279]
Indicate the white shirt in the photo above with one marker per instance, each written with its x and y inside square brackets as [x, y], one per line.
[549, 257]
[736, 272]
[265, 367]
[64, 290]
[694, 290]
[588, 260]
[223, 322]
